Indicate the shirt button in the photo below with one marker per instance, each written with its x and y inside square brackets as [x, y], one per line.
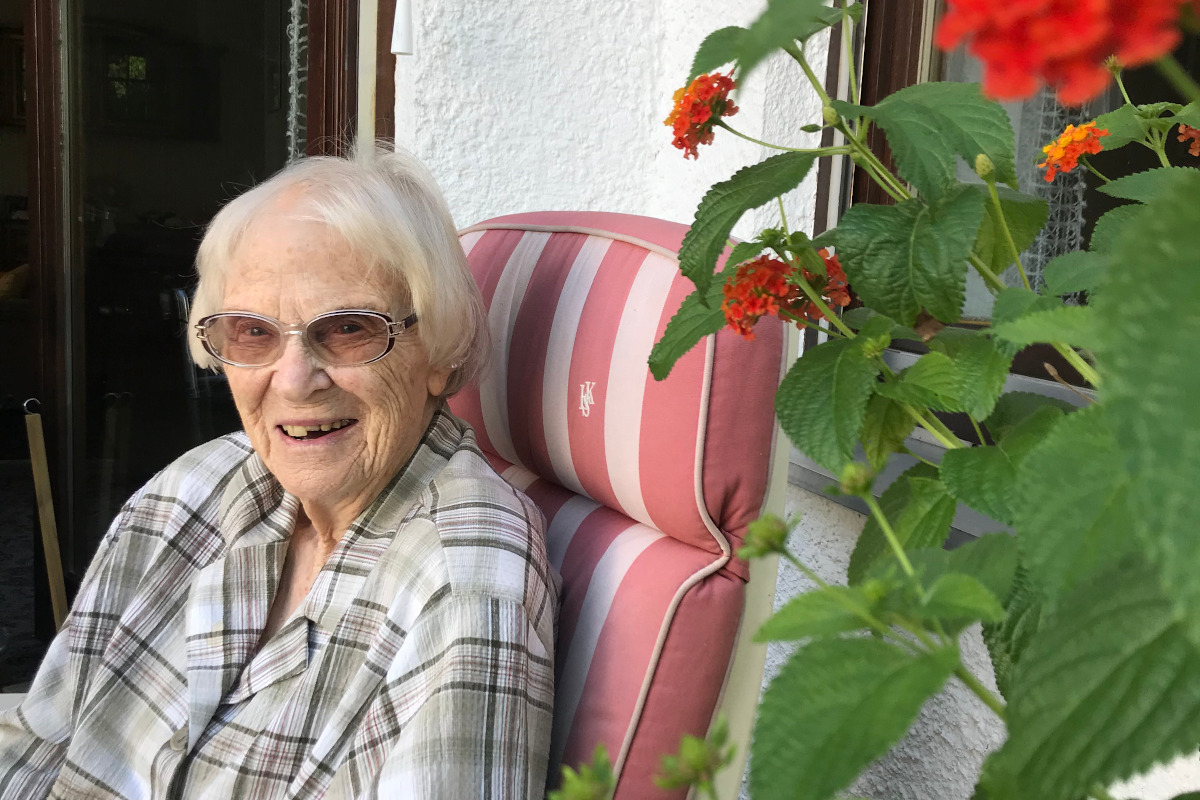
[179, 740]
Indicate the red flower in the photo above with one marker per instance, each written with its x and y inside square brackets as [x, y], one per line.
[763, 286]
[1062, 155]
[1064, 43]
[1187, 132]
[698, 107]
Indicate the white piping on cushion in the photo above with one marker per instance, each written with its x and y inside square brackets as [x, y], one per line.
[618, 237]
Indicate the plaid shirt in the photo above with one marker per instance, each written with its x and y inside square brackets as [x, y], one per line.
[420, 665]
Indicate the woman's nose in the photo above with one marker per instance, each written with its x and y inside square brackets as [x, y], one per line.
[298, 373]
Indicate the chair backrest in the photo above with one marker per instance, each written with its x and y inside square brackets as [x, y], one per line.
[646, 486]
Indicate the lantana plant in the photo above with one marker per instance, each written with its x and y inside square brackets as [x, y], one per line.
[1091, 611]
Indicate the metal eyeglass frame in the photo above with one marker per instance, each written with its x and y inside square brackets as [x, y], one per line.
[394, 329]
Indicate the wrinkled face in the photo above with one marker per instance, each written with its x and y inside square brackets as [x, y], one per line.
[293, 270]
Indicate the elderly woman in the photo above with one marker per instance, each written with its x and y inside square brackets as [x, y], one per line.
[344, 600]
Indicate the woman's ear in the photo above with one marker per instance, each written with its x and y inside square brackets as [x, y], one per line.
[437, 379]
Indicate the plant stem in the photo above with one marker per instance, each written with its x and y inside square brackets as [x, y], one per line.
[809, 324]
[807, 570]
[889, 534]
[978, 430]
[1121, 86]
[882, 175]
[710, 790]
[1012, 245]
[782, 214]
[816, 151]
[879, 181]
[1085, 370]
[798, 55]
[1093, 170]
[848, 45]
[989, 277]
[990, 700]
[1184, 83]
[1046, 365]
[815, 297]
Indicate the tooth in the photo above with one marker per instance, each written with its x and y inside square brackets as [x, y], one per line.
[326, 427]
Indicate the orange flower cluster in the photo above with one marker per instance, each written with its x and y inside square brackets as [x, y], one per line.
[763, 286]
[698, 106]
[1187, 132]
[1062, 155]
[1024, 43]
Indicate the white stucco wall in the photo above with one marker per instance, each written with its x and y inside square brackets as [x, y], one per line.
[533, 105]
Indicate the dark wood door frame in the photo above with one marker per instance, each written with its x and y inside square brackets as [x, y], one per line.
[332, 76]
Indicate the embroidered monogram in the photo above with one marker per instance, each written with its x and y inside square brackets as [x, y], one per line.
[585, 397]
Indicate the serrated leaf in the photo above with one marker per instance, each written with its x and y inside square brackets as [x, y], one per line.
[718, 49]
[1013, 408]
[910, 256]
[885, 428]
[1123, 126]
[980, 369]
[691, 323]
[1144, 187]
[931, 381]
[1012, 304]
[1109, 686]
[919, 509]
[927, 125]
[826, 611]
[991, 559]
[781, 24]
[985, 477]
[1188, 115]
[1025, 216]
[726, 202]
[823, 399]
[957, 600]
[1112, 224]
[1071, 508]
[1151, 385]
[1007, 640]
[835, 707]
[1076, 271]
[1079, 326]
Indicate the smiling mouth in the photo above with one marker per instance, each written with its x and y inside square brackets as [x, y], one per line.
[309, 432]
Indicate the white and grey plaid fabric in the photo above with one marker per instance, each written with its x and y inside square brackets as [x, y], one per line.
[419, 666]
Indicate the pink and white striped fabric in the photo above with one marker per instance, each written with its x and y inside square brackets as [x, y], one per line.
[647, 486]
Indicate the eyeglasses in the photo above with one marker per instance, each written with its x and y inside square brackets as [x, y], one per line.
[337, 338]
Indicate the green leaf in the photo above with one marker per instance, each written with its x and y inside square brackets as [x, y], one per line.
[718, 49]
[781, 25]
[835, 707]
[985, 477]
[1025, 215]
[1151, 184]
[1013, 408]
[927, 125]
[1112, 224]
[957, 600]
[826, 611]
[991, 559]
[594, 781]
[724, 205]
[1123, 126]
[823, 399]
[1107, 688]
[1188, 115]
[1071, 505]
[920, 511]
[931, 381]
[1152, 385]
[1079, 326]
[1008, 640]
[691, 323]
[1076, 271]
[1012, 304]
[885, 428]
[980, 369]
[910, 256]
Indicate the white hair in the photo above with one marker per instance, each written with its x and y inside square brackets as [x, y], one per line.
[388, 208]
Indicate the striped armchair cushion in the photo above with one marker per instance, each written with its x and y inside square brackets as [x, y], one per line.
[647, 486]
